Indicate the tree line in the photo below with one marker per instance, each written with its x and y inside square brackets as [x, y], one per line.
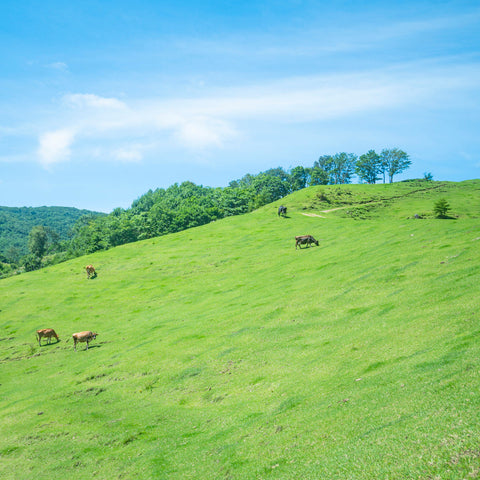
[186, 205]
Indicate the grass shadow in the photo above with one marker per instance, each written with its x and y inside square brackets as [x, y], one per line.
[445, 217]
[49, 344]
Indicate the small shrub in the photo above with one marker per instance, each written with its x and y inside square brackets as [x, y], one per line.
[322, 197]
[358, 213]
[32, 262]
[441, 208]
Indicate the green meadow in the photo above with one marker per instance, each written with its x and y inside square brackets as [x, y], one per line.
[225, 353]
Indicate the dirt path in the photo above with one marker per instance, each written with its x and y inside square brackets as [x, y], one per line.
[333, 209]
[323, 211]
[372, 201]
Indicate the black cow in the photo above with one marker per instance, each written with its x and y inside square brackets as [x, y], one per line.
[282, 210]
[305, 240]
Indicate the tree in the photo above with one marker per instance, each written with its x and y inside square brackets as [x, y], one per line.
[343, 167]
[368, 166]
[32, 262]
[323, 170]
[37, 241]
[298, 178]
[393, 161]
[13, 254]
[440, 208]
[277, 172]
[268, 188]
[318, 176]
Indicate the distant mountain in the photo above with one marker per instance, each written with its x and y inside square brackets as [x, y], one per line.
[16, 223]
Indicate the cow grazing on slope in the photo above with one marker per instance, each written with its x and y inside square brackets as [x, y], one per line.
[305, 240]
[47, 333]
[282, 210]
[91, 273]
[82, 337]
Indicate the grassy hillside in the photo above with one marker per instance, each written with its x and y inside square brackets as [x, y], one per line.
[225, 353]
[16, 223]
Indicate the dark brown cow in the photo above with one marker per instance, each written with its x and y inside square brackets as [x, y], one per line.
[91, 273]
[282, 211]
[305, 240]
[47, 333]
[83, 337]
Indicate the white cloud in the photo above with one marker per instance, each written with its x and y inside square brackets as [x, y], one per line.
[61, 66]
[212, 122]
[128, 155]
[55, 146]
[88, 100]
[203, 132]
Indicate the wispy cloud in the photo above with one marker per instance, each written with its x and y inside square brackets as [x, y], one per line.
[61, 66]
[128, 154]
[88, 100]
[199, 132]
[314, 41]
[223, 117]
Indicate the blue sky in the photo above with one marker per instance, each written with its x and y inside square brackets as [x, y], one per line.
[102, 100]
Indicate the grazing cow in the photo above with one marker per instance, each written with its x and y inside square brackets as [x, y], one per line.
[47, 333]
[282, 210]
[83, 337]
[91, 273]
[305, 239]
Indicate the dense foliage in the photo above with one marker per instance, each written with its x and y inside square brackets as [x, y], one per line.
[189, 205]
[17, 223]
[186, 205]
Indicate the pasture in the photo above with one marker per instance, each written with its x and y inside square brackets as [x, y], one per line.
[225, 353]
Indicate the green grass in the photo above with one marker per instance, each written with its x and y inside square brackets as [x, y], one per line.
[225, 353]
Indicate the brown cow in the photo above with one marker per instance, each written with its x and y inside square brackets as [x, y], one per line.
[47, 333]
[83, 337]
[90, 271]
[305, 239]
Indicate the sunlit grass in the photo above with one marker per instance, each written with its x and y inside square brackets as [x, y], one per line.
[223, 352]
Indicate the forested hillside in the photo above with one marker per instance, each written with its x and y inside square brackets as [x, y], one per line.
[188, 205]
[55, 234]
[16, 224]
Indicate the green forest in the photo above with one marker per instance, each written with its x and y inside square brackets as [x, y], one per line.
[17, 223]
[33, 238]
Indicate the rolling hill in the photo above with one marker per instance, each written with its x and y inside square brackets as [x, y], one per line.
[225, 353]
[16, 223]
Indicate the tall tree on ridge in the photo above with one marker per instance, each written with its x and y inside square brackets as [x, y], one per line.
[343, 167]
[393, 161]
[368, 166]
[37, 240]
[324, 164]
